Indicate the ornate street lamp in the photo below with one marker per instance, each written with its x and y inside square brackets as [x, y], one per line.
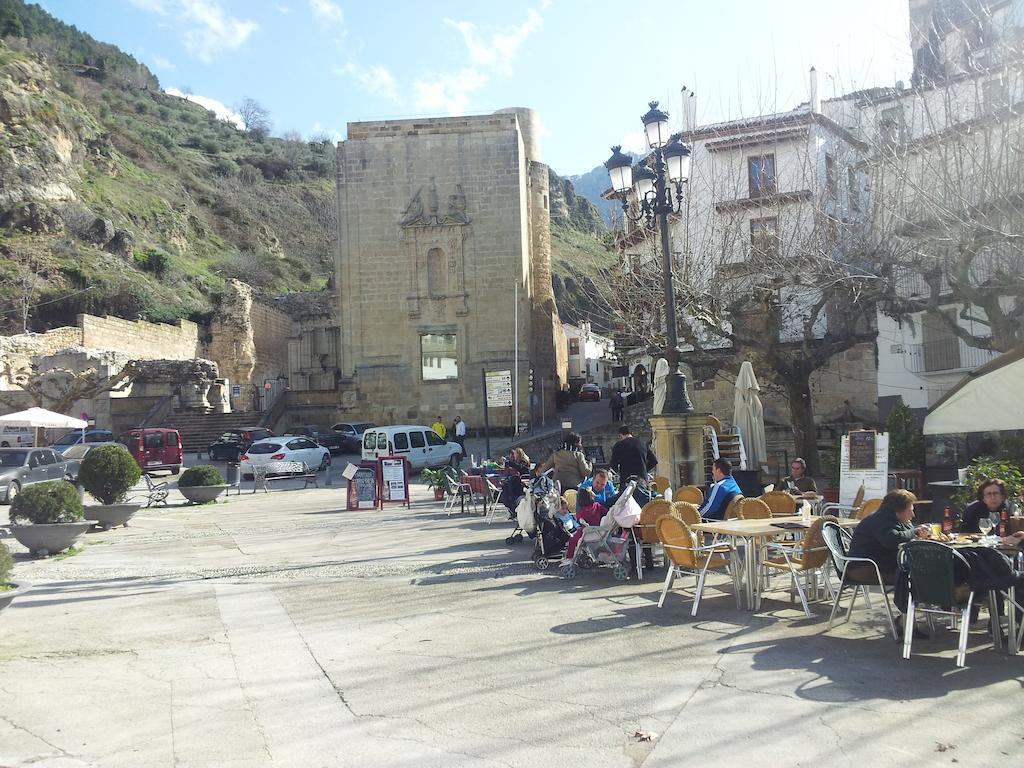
[653, 190]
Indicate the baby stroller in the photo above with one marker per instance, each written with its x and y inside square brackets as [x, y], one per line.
[608, 543]
[536, 517]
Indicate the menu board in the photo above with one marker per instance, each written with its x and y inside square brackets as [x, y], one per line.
[394, 479]
[875, 479]
[862, 449]
[363, 488]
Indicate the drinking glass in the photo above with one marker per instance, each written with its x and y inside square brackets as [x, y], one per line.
[985, 525]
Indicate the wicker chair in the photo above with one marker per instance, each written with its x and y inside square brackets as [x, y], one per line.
[780, 502]
[688, 493]
[685, 511]
[732, 512]
[809, 557]
[570, 499]
[661, 484]
[754, 509]
[649, 515]
[869, 507]
[685, 555]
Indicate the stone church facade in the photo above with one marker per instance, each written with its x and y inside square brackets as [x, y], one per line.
[442, 224]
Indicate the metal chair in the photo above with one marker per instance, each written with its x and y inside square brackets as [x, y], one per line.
[935, 589]
[732, 512]
[684, 555]
[648, 521]
[661, 484]
[754, 509]
[869, 507]
[834, 540]
[685, 511]
[844, 510]
[456, 491]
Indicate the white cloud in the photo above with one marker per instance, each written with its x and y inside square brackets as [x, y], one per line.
[162, 63]
[210, 30]
[449, 92]
[154, 6]
[327, 11]
[218, 108]
[284, 9]
[496, 49]
[376, 79]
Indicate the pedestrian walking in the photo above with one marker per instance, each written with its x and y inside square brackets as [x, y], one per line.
[439, 427]
[459, 428]
[615, 403]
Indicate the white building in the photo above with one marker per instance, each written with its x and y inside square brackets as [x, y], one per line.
[591, 355]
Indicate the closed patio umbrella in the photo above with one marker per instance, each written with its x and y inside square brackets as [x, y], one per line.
[748, 415]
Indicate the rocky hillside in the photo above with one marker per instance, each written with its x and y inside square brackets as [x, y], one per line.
[118, 198]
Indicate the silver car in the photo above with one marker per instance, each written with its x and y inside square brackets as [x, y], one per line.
[23, 466]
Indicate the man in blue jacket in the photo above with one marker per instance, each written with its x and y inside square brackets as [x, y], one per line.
[721, 493]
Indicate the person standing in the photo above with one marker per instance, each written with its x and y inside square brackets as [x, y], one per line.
[570, 463]
[631, 458]
[615, 403]
[439, 428]
[460, 433]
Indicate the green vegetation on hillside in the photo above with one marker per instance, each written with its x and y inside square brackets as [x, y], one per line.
[120, 198]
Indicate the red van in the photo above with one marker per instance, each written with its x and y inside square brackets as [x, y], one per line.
[155, 448]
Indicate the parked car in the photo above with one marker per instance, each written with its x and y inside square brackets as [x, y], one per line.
[155, 448]
[233, 443]
[76, 436]
[73, 457]
[23, 466]
[421, 445]
[285, 448]
[17, 437]
[590, 392]
[328, 438]
[352, 434]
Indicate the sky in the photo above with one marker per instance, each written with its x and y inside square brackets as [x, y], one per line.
[588, 67]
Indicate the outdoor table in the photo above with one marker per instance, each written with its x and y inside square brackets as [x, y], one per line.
[752, 533]
[993, 604]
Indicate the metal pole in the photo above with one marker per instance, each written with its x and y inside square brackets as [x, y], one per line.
[515, 376]
[676, 401]
[487, 422]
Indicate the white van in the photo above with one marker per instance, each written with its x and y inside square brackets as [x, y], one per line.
[17, 437]
[421, 445]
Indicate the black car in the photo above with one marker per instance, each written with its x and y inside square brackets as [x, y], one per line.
[329, 439]
[352, 434]
[233, 443]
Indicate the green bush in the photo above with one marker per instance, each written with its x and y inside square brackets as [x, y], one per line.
[108, 473]
[906, 444]
[55, 501]
[6, 566]
[984, 468]
[153, 260]
[204, 474]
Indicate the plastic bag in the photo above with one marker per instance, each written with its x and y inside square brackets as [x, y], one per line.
[625, 511]
[524, 514]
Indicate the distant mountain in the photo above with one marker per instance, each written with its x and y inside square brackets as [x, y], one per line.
[595, 182]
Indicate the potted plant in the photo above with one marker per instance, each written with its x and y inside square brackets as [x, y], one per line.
[8, 589]
[47, 518]
[201, 484]
[436, 479]
[108, 473]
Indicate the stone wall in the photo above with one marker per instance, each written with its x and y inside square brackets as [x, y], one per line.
[271, 330]
[139, 339]
[433, 236]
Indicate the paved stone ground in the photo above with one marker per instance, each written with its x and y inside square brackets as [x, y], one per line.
[278, 630]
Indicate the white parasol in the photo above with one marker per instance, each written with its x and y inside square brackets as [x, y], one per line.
[748, 416]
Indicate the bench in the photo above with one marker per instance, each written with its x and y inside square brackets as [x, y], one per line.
[282, 470]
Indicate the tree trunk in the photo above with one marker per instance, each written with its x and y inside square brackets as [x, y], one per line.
[798, 390]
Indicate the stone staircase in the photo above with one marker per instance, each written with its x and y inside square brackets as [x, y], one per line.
[199, 429]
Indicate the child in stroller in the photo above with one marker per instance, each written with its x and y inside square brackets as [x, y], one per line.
[537, 517]
[607, 542]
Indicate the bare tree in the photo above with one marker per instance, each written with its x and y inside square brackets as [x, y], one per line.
[255, 117]
[58, 389]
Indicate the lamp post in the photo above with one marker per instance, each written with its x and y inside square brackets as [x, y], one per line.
[653, 190]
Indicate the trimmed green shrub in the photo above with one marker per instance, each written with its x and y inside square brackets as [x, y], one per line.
[204, 474]
[108, 473]
[6, 566]
[55, 501]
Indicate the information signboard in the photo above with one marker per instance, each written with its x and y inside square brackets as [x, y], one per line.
[874, 480]
[362, 486]
[499, 389]
[393, 479]
[862, 449]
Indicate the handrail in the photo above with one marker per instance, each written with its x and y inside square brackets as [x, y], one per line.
[276, 409]
[158, 412]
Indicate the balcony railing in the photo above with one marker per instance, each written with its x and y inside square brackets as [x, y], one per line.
[945, 355]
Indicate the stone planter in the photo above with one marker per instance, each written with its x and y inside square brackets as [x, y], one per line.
[109, 516]
[7, 597]
[50, 538]
[200, 494]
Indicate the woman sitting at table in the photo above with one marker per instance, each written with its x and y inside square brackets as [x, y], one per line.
[990, 503]
[518, 460]
[602, 488]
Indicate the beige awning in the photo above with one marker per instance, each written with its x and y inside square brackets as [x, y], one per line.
[989, 399]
